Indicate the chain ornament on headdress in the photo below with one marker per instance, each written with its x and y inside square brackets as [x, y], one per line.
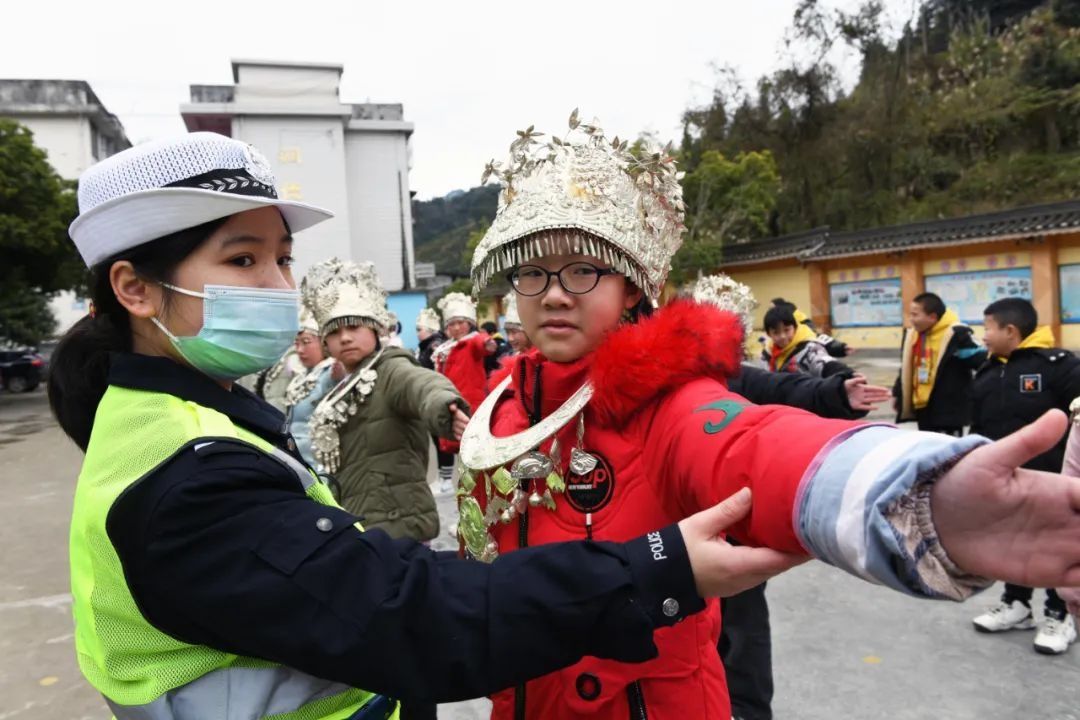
[344, 293]
[728, 294]
[584, 194]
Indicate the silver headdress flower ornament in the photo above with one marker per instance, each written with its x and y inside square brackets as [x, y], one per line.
[510, 311]
[728, 294]
[584, 194]
[342, 293]
[457, 305]
[429, 320]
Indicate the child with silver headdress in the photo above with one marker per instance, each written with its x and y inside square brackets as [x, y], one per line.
[462, 360]
[620, 418]
[307, 387]
[515, 333]
[371, 430]
[429, 333]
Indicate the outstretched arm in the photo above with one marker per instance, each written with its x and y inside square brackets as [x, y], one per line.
[884, 504]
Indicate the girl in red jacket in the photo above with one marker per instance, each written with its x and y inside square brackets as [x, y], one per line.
[461, 359]
[619, 420]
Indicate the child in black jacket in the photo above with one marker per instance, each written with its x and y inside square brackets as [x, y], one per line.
[1023, 377]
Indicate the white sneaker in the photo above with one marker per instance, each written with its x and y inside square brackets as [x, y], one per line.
[1005, 616]
[446, 487]
[1055, 636]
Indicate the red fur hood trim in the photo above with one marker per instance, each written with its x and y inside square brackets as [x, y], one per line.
[638, 362]
[682, 341]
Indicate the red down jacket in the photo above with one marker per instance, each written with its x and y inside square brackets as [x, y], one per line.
[671, 440]
[463, 365]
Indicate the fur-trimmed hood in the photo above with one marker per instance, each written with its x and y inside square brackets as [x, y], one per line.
[641, 361]
[679, 343]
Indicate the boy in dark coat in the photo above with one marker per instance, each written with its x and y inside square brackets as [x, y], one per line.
[1024, 376]
[938, 356]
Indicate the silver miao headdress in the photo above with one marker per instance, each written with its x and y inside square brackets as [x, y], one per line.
[429, 320]
[579, 194]
[307, 320]
[510, 311]
[344, 293]
[457, 305]
[584, 194]
[728, 294]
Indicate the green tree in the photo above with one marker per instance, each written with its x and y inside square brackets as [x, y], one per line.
[475, 236]
[36, 207]
[727, 201]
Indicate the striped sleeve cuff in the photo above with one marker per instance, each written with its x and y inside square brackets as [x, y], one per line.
[864, 506]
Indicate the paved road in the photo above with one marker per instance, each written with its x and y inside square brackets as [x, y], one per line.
[844, 649]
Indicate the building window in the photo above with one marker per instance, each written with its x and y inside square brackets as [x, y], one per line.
[872, 303]
[968, 294]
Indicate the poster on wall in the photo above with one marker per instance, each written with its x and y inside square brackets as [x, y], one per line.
[873, 303]
[1070, 293]
[968, 294]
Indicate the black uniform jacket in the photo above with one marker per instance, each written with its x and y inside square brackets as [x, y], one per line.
[221, 547]
[1008, 396]
[825, 397]
[427, 349]
[950, 399]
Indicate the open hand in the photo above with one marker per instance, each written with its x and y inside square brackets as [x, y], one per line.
[999, 521]
[862, 396]
[460, 420]
[721, 569]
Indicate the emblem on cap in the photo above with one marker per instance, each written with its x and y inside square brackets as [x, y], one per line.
[257, 166]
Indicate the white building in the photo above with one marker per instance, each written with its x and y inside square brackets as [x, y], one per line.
[75, 130]
[350, 158]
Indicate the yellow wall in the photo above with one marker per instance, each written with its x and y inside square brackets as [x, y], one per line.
[960, 263]
[1069, 255]
[1070, 337]
[870, 337]
[791, 283]
[863, 273]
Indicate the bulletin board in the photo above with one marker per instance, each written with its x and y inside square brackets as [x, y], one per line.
[872, 303]
[968, 294]
[1070, 293]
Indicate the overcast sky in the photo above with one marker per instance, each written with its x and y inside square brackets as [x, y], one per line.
[468, 73]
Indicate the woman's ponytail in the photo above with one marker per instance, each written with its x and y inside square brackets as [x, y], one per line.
[79, 368]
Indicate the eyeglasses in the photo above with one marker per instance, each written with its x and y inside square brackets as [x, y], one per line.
[576, 278]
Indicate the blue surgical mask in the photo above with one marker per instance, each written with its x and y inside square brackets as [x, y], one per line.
[244, 329]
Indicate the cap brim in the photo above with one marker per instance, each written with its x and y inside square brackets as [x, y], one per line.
[131, 220]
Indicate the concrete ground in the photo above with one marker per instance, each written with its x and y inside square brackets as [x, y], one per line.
[843, 649]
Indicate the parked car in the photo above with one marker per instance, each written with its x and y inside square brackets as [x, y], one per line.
[21, 370]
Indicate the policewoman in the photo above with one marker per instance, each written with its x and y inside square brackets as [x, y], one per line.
[212, 574]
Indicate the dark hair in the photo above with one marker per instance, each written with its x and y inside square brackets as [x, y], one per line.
[79, 368]
[779, 316]
[782, 303]
[643, 309]
[1014, 311]
[931, 304]
[490, 328]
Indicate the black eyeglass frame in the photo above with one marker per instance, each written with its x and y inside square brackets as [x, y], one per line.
[600, 273]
